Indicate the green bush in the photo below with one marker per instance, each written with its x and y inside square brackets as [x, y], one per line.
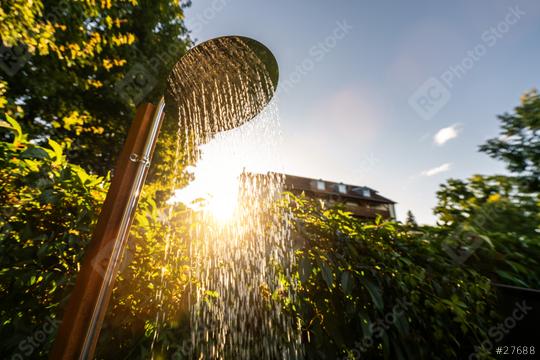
[377, 290]
[47, 209]
[364, 289]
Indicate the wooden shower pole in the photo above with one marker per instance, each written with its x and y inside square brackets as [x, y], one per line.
[83, 316]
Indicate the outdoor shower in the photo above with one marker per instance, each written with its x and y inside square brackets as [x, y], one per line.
[216, 86]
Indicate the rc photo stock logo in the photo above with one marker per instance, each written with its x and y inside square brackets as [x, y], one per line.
[101, 261]
[435, 93]
[137, 83]
[378, 328]
[142, 77]
[33, 342]
[497, 333]
[316, 54]
[461, 245]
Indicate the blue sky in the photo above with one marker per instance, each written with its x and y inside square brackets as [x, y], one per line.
[393, 95]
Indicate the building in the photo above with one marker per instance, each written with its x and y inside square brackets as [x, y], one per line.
[363, 202]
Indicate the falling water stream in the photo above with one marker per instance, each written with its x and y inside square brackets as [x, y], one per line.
[240, 248]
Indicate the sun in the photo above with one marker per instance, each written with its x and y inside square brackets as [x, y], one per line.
[215, 187]
[217, 175]
[213, 193]
[222, 207]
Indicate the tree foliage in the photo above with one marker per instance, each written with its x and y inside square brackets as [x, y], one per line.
[410, 220]
[73, 70]
[518, 144]
[47, 209]
[488, 217]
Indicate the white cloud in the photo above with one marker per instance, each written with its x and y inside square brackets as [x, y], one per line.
[445, 134]
[437, 170]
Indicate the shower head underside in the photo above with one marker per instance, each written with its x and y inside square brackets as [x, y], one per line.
[221, 84]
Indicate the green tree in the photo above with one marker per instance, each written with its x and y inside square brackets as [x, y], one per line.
[497, 225]
[410, 220]
[518, 144]
[74, 70]
[461, 200]
[495, 219]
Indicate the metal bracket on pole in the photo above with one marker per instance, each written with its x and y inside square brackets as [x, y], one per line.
[143, 160]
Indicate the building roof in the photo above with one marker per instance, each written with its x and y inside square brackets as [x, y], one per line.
[356, 192]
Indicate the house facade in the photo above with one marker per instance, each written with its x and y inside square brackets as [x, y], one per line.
[362, 201]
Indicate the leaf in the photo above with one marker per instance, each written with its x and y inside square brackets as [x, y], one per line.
[327, 274]
[53, 287]
[57, 148]
[365, 324]
[81, 173]
[386, 346]
[13, 125]
[34, 153]
[346, 282]
[508, 277]
[488, 240]
[375, 295]
[305, 268]
[517, 266]
[33, 165]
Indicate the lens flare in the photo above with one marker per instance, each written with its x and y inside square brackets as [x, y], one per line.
[214, 189]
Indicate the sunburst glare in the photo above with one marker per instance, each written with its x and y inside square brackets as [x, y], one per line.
[216, 175]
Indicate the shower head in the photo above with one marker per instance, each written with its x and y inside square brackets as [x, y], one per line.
[221, 83]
